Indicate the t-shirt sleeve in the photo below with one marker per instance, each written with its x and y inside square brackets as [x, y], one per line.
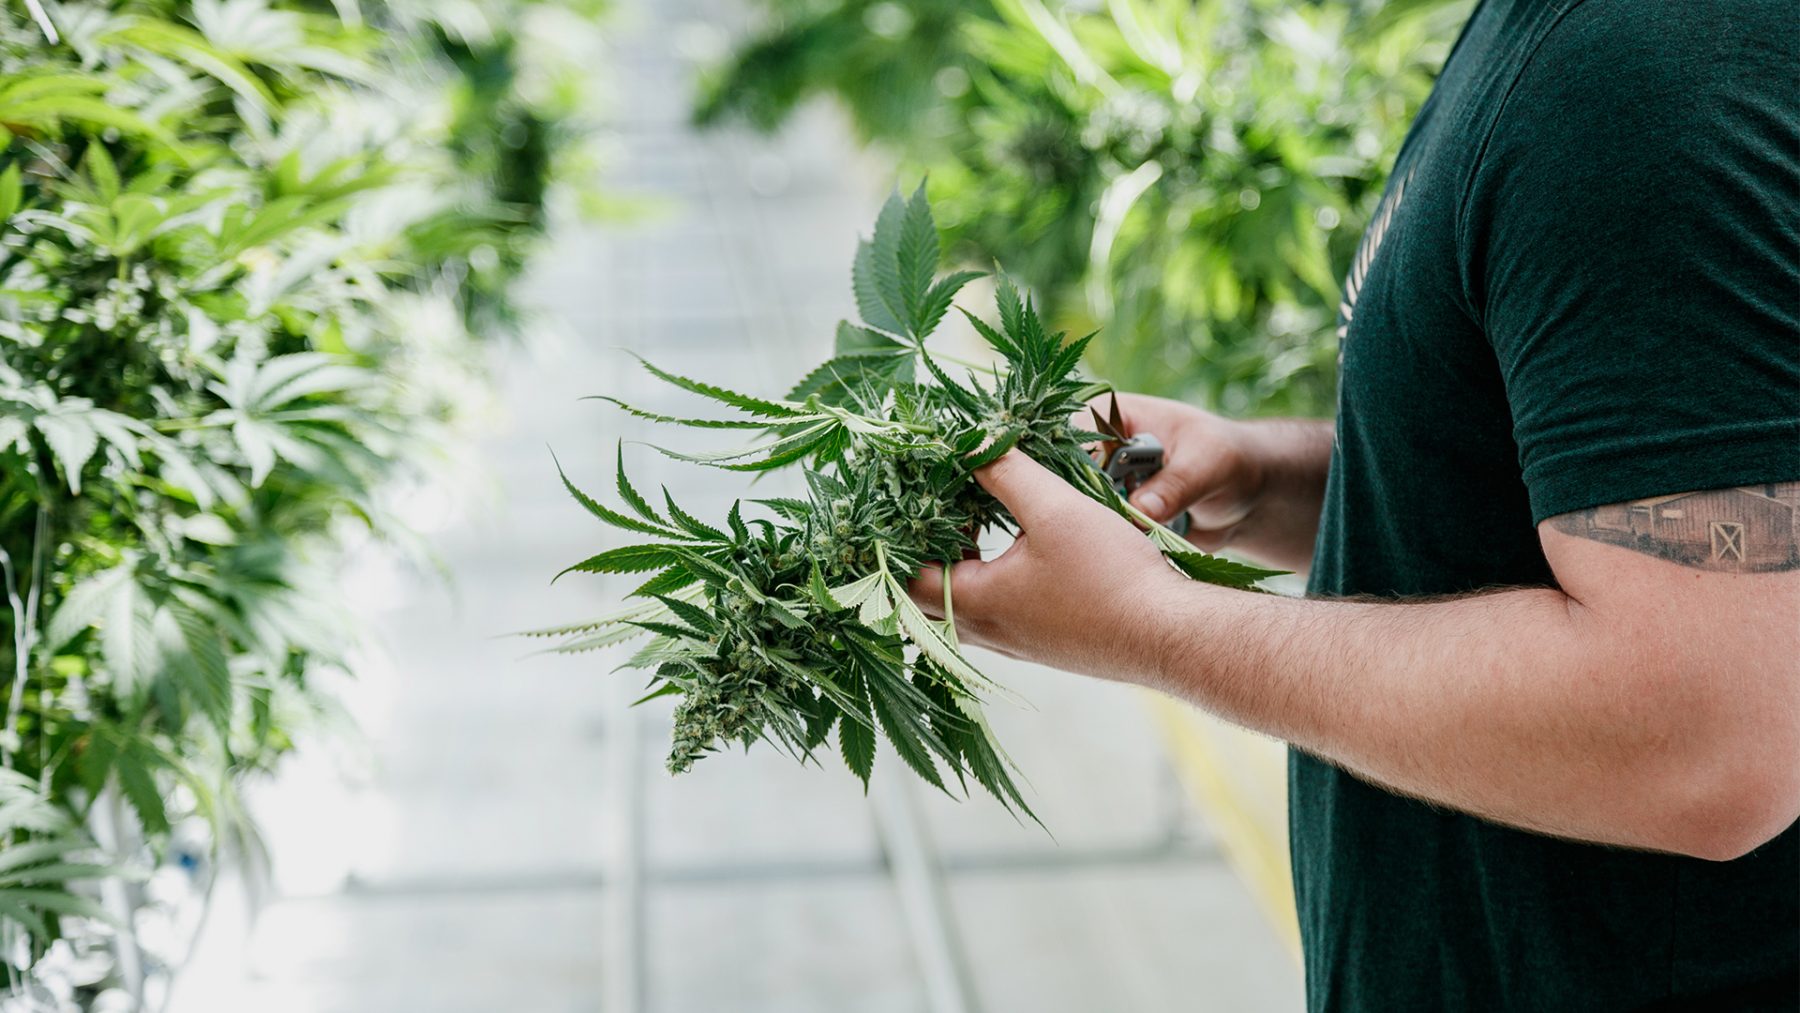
[1630, 243]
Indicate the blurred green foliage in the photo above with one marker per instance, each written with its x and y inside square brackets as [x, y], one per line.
[1189, 176]
[250, 250]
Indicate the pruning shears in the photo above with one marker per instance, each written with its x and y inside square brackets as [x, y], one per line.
[1129, 461]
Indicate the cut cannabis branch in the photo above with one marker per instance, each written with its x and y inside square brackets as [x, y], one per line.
[786, 626]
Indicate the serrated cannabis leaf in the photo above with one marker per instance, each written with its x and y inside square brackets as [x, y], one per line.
[856, 741]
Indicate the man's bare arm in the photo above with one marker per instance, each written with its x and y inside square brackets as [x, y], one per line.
[1653, 701]
[1643, 703]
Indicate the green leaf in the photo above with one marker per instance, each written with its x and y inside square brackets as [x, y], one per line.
[822, 594]
[692, 524]
[72, 440]
[629, 559]
[59, 872]
[1012, 311]
[1000, 342]
[666, 689]
[839, 696]
[742, 402]
[19, 856]
[937, 299]
[673, 579]
[1070, 354]
[189, 46]
[607, 514]
[856, 741]
[84, 605]
[690, 613]
[916, 257]
[875, 276]
[136, 768]
[630, 495]
[20, 911]
[905, 728]
[990, 768]
[819, 722]
[127, 641]
[853, 594]
[787, 507]
[705, 568]
[674, 420]
[1217, 569]
[200, 666]
[861, 341]
[102, 171]
[768, 455]
[670, 630]
[735, 518]
[12, 192]
[52, 111]
[58, 901]
[840, 380]
[995, 448]
[877, 607]
[965, 399]
[924, 635]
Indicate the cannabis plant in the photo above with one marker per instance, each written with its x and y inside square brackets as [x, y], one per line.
[791, 618]
[1189, 175]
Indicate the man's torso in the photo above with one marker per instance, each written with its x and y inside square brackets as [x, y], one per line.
[1403, 905]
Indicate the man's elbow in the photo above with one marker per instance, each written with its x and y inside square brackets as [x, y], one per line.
[1747, 798]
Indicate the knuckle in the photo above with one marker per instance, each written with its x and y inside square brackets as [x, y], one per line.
[1003, 467]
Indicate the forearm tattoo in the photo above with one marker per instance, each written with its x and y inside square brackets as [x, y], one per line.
[1747, 529]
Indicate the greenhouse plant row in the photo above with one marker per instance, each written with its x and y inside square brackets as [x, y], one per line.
[254, 254]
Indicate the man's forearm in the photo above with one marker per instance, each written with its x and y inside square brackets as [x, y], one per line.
[1520, 706]
[1293, 457]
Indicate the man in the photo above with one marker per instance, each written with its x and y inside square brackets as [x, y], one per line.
[1544, 694]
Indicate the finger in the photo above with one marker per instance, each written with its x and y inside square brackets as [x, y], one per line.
[1029, 490]
[1166, 493]
[927, 589]
[1181, 484]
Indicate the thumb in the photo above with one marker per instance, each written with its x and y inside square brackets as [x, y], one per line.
[1168, 492]
[1026, 488]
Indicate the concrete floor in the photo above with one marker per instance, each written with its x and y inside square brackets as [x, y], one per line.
[507, 839]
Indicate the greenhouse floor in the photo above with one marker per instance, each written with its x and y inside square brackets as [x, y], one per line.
[504, 838]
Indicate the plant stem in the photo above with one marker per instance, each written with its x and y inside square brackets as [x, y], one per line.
[24, 627]
[970, 364]
[949, 609]
[20, 664]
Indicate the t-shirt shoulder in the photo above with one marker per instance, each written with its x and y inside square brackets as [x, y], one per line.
[1635, 85]
[1629, 247]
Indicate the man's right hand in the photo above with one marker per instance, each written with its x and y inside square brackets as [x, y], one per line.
[1256, 486]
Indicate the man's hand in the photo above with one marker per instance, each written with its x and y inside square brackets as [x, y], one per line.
[1077, 579]
[1255, 486]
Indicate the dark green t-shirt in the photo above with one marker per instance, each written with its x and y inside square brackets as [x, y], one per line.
[1582, 288]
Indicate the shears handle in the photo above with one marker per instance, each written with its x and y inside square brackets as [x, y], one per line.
[1132, 463]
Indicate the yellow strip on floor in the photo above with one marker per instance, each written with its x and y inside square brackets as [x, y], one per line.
[1239, 779]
